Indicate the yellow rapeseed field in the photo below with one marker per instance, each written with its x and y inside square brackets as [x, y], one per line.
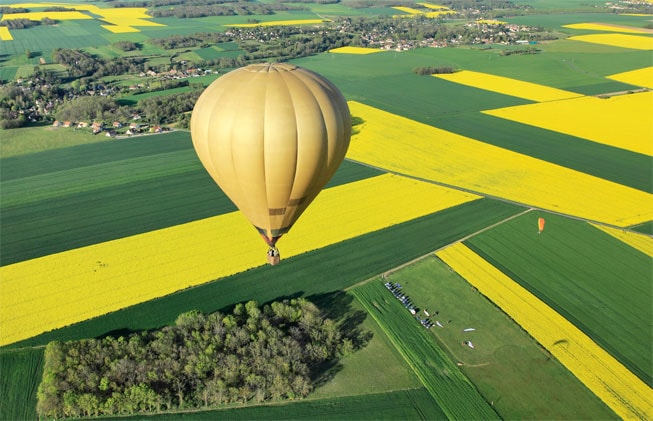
[5, 35]
[405, 146]
[433, 6]
[641, 242]
[408, 10]
[280, 23]
[614, 384]
[52, 15]
[639, 77]
[63, 288]
[120, 20]
[623, 121]
[491, 22]
[635, 42]
[354, 50]
[508, 86]
[608, 27]
[438, 13]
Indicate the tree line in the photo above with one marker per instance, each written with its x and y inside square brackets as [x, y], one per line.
[194, 10]
[254, 354]
[433, 70]
[80, 63]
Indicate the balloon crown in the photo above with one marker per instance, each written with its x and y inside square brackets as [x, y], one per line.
[270, 67]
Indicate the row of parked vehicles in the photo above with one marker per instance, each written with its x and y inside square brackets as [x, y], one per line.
[396, 289]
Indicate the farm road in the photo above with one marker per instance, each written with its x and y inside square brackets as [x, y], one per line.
[431, 253]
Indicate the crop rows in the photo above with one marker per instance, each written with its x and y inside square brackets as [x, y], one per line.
[620, 121]
[627, 395]
[150, 184]
[109, 276]
[328, 269]
[600, 284]
[21, 373]
[398, 144]
[508, 86]
[449, 387]
[314, 275]
[641, 242]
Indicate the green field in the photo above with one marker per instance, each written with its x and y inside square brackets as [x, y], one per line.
[20, 375]
[129, 187]
[88, 33]
[64, 188]
[318, 275]
[455, 394]
[393, 87]
[598, 283]
[412, 404]
[507, 366]
[27, 140]
[316, 272]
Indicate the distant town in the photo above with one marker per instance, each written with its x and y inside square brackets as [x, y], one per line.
[88, 93]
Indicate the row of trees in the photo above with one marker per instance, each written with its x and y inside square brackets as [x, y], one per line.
[433, 70]
[166, 3]
[190, 10]
[253, 354]
[26, 23]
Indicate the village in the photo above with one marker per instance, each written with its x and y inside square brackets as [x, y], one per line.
[117, 128]
[38, 97]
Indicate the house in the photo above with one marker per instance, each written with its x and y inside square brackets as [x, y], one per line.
[82, 124]
[67, 123]
[56, 123]
[117, 124]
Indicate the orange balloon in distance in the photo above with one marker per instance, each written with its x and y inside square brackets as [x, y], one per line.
[271, 136]
[540, 225]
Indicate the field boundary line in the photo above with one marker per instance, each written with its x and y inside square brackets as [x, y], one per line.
[501, 199]
[432, 253]
[606, 377]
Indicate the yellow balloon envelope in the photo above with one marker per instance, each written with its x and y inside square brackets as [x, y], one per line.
[271, 136]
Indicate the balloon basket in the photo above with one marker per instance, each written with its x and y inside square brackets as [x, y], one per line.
[273, 256]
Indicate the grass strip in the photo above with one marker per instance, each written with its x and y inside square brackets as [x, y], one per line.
[597, 282]
[73, 197]
[411, 404]
[21, 374]
[331, 268]
[620, 389]
[453, 392]
[108, 276]
[315, 275]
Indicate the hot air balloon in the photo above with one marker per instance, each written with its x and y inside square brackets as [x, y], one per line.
[540, 225]
[271, 136]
